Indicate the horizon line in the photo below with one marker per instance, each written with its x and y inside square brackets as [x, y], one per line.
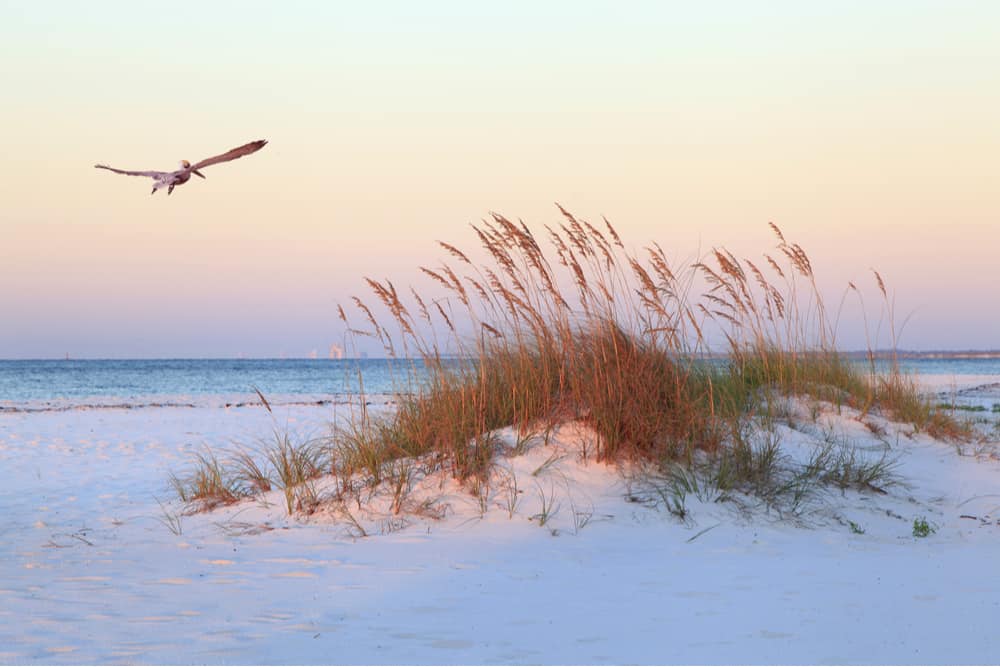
[954, 353]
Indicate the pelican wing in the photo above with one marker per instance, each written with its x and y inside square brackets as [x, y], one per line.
[235, 153]
[150, 174]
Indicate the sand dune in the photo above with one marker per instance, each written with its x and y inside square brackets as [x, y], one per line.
[90, 571]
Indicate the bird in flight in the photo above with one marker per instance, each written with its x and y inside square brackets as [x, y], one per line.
[171, 179]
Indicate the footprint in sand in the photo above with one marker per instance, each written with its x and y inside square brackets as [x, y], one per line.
[452, 644]
[295, 561]
[464, 566]
[272, 617]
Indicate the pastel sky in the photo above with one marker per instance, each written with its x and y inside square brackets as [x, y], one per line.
[869, 131]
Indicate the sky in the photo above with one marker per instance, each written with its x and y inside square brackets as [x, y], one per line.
[868, 131]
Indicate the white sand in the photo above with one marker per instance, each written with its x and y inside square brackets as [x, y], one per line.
[88, 574]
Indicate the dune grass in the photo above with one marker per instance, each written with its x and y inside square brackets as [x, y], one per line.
[670, 366]
[284, 463]
[209, 484]
[617, 340]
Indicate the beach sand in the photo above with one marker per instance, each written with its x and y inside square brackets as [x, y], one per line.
[92, 570]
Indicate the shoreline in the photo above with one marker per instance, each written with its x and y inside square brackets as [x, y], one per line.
[942, 384]
[851, 354]
[221, 401]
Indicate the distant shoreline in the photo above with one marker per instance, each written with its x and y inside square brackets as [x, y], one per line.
[928, 354]
[850, 354]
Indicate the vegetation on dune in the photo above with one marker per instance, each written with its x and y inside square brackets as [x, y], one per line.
[589, 331]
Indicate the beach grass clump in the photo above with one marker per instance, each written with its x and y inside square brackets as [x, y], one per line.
[250, 473]
[589, 331]
[965, 408]
[898, 396]
[822, 374]
[209, 484]
[845, 466]
[546, 348]
[295, 466]
[283, 462]
[617, 340]
[758, 470]
[671, 366]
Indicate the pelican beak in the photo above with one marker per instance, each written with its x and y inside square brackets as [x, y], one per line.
[197, 173]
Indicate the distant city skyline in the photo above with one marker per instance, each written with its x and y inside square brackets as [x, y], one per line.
[881, 353]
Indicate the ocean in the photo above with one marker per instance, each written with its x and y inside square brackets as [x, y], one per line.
[65, 384]
[34, 384]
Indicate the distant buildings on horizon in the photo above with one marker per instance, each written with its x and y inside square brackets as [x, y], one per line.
[337, 352]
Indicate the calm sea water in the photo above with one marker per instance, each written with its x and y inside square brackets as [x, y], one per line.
[24, 382]
[149, 380]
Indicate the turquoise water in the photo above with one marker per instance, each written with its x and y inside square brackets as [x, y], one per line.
[128, 381]
[951, 366]
[133, 380]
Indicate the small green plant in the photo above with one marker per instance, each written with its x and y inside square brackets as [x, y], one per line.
[392, 525]
[170, 519]
[849, 468]
[549, 463]
[966, 408]
[549, 507]
[511, 492]
[674, 502]
[524, 436]
[581, 517]
[354, 526]
[481, 492]
[921, 528]
[400, 476]
[672, 487]
[856, 528]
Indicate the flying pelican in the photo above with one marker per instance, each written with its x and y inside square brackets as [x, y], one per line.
[171, 179]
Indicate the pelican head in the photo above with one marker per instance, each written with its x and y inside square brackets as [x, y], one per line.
[187, 165]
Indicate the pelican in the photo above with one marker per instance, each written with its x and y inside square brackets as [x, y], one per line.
[171, 179]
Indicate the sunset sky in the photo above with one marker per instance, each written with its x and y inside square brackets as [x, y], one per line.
[869, 131]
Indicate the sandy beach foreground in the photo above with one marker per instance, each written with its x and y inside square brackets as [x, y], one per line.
[94, 570]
